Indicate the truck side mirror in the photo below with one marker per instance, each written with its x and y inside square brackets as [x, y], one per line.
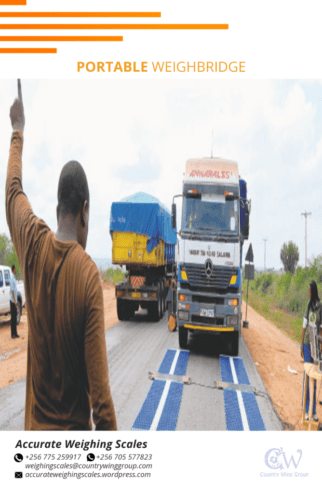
[245, 228]
[174, 216]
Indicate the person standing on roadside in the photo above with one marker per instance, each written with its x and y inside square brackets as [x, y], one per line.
[312, 314]
[13, 303]
[67, 372]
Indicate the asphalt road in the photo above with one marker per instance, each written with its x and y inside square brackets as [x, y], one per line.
[135, 350]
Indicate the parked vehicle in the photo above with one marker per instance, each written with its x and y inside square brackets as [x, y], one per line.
[215, 223]
[5, 276]
[143, 242]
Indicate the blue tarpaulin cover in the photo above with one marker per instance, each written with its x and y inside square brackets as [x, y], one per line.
[144, 214]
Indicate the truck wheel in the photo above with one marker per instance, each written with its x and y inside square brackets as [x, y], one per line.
[120, 309]
[125, 310]
[154, 311]
[183, 337]
[161, 301]
[164, 297]
[19, 311]
[233, 344]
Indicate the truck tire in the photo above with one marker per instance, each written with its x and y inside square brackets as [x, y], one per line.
[125, 310]
[164, 297]
[183, 337]
[233, 344]
[19, 311]
[154, 311]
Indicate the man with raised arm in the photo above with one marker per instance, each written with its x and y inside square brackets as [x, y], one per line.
[67, 373]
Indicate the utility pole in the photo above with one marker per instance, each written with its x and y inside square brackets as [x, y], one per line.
[305, 214]
[265, 240]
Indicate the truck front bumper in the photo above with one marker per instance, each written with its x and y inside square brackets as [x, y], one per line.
[221, 316]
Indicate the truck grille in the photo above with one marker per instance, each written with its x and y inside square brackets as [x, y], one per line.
[208, 299]
[219, 277]
[207, 320]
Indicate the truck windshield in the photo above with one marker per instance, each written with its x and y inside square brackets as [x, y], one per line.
[210, 216]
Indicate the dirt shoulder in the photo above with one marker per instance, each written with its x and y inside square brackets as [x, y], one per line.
[13, 352]
[273, 353]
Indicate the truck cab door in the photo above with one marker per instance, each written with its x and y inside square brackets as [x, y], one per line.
[6, 288]
[2, 292]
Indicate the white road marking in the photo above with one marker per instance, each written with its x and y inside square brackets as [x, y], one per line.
[239, 396]
[174, 362]
[159, 410]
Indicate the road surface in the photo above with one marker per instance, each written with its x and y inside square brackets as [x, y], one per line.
[136, 350]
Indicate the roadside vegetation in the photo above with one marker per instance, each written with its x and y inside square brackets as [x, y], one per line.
[8, 254]
[282, 297]
[113, 275]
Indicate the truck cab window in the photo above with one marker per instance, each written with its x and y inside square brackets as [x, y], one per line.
[1, 279]
[207, 215]
[7, 277]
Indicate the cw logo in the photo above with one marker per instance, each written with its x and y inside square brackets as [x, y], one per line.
[276, 459]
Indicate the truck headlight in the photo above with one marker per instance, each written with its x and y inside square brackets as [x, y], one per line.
[232, 320]
[183, 297]
[183, 315]
[233, 302]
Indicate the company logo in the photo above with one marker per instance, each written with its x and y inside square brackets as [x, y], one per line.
[276, 459]
[208, 267]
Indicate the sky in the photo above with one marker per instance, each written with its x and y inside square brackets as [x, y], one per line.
[133, 136]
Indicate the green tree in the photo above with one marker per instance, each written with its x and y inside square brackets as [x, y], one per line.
[8, 254]
[289, 256]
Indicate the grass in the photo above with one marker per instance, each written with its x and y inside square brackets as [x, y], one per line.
[282, 297]
[290, 325]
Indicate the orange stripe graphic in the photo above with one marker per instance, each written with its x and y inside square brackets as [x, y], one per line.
[113, 26]
[13, 2]
[61, 38]
[80, 14]
[28, 50]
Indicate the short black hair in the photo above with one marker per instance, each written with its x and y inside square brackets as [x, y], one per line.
[314, 292]
[72, 189]
[13, 267]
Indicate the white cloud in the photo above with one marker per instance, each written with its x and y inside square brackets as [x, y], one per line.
[135, 136]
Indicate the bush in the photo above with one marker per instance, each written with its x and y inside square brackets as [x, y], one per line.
[288, 291]
[114, 275]
[289, 256]
[8, 254]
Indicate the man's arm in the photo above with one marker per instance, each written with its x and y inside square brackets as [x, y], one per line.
[20, 217]
[96, 356]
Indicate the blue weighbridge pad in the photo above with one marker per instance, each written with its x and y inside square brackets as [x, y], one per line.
[161, 406]
[241, 408]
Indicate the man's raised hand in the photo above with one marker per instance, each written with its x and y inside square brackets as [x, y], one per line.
[17, 115]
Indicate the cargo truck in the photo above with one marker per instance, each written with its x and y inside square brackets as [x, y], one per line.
[143, 242]
[215, 224]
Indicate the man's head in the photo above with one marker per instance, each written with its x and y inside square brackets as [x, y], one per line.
[13, 268]
[73, 200]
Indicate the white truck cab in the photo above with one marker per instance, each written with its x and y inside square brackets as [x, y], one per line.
[5, 277]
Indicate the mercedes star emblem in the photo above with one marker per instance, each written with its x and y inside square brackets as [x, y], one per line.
[208, 267]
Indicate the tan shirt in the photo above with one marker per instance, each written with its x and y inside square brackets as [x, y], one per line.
[67, 372]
